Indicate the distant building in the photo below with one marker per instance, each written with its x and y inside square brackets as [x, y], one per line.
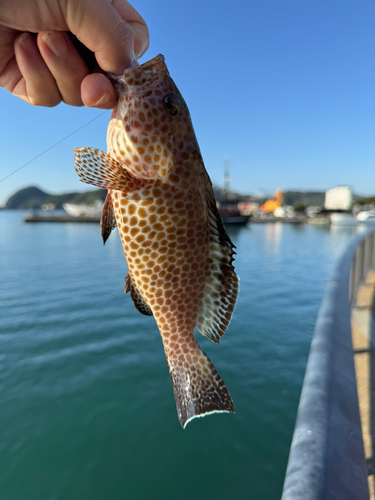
[338, 198]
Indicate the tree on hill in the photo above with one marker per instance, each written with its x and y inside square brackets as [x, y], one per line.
[306, 198]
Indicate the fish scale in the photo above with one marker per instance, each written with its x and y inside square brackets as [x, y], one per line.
[178, 254]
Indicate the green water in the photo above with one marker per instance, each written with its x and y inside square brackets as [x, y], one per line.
[86, 404]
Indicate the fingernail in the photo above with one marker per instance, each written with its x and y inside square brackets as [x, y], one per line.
[103, 100]
[56, 42]
[133, 60]
[28, 44]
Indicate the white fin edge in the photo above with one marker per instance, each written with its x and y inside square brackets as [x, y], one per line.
[205, 414]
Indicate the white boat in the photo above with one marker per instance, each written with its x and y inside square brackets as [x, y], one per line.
[285, 211]
[48, 206]
[339, 219]
[93, 210]
[366, 217]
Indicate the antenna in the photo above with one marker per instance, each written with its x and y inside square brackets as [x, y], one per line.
[226, 176]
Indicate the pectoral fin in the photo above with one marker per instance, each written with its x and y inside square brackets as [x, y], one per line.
[100, 169]
[108, 221]
[137, 298]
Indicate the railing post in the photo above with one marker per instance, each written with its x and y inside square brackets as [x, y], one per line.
[358, 259]
[352, 280]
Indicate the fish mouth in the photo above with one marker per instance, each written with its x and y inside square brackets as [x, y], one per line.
[146, 74]
[140, 78]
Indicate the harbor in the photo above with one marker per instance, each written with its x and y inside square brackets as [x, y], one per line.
[83, 371]
[118, 119]
[338, 210]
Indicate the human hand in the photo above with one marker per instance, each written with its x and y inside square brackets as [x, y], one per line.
[40, 63]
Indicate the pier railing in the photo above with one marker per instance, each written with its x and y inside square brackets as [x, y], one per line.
[327, 459]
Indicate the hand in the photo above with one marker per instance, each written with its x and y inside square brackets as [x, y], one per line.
[39, 61]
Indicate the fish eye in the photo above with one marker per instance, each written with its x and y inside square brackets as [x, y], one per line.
[172, 104]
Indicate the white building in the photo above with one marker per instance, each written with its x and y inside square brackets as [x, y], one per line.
[338, 198]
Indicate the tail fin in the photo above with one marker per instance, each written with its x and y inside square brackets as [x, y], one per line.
[198, 388]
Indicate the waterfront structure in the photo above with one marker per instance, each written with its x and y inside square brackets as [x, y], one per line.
[327, 459]
[338, 198]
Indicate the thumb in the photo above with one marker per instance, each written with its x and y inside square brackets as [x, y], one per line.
[115, 36]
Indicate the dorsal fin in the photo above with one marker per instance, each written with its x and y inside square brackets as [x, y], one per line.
[222, 282]
[137, 298]
[107, 221]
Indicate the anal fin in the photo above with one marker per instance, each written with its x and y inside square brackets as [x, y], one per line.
[107, 221]
[137, 298]
[100, 169]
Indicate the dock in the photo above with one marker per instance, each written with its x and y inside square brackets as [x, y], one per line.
[59, 218]
[34, 217]
[300, 219]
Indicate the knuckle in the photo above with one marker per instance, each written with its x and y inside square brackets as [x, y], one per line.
[77, 102]
[45, 101]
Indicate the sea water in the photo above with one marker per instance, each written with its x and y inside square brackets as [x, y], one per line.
[86, 403]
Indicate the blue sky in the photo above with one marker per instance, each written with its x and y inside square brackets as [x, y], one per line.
[283, 89]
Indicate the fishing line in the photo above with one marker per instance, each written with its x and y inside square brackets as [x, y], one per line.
[54, 145]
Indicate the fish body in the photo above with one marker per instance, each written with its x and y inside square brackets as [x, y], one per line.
[178, 254]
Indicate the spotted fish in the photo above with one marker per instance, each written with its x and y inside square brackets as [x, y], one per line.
[178, 254]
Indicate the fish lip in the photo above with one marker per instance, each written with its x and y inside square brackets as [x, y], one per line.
[154, 63]
[141, 77]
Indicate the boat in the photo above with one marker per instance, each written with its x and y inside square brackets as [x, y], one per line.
[93, 210]
[284, 212]
[366, 217]
[227, 206]
[343, 219]
[46, 207]
[235, 218]
[230, 214]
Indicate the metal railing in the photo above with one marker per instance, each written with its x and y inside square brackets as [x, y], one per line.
[327, 460]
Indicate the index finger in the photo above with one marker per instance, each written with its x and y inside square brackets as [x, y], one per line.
[104, 31]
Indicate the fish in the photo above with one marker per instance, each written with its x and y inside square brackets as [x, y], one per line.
[179, 256]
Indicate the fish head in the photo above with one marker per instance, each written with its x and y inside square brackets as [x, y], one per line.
[150, 120]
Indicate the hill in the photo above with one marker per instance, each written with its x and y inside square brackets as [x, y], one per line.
[33, 197]
[305, 198]
[30, 197]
